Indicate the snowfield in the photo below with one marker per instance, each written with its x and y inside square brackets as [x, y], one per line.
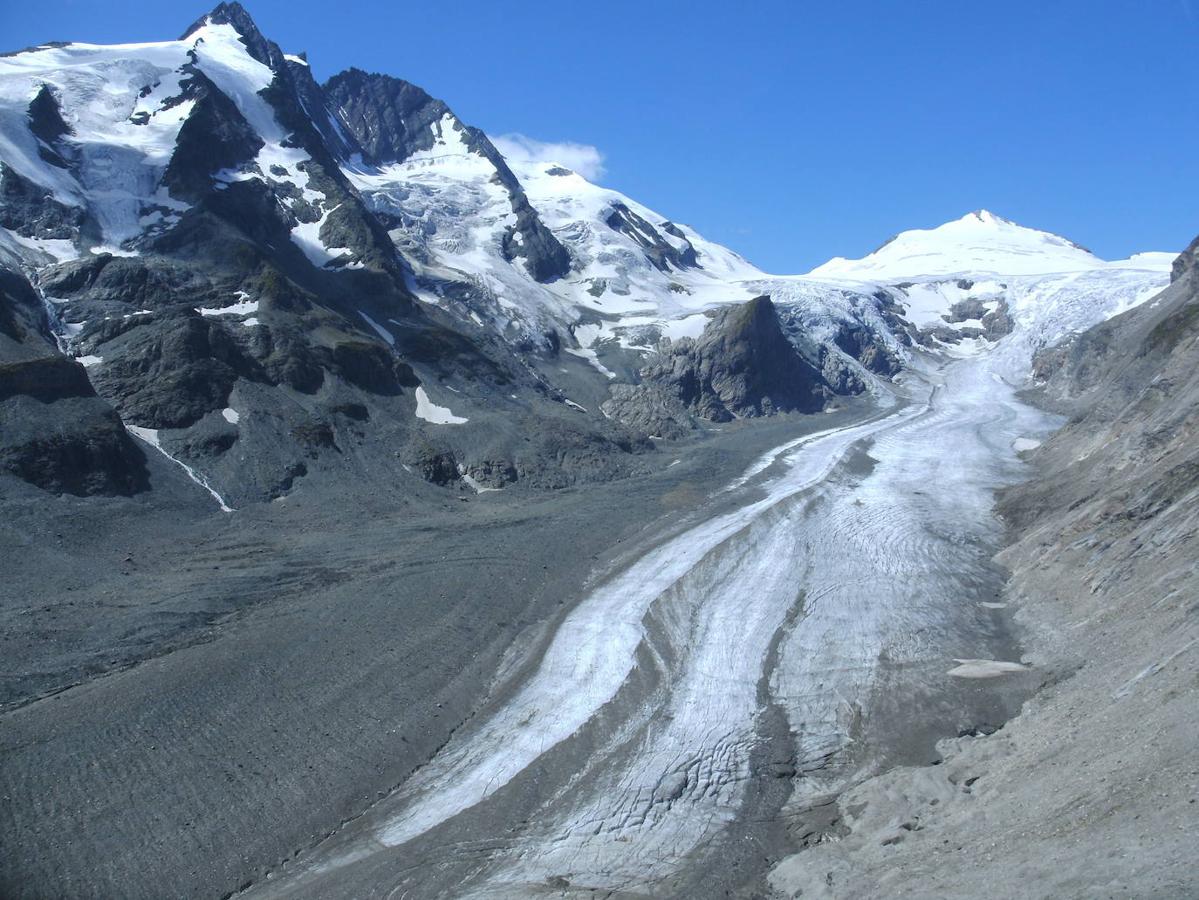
[438, 415]
[978, 243]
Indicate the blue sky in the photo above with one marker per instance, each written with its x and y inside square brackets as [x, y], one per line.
[790, 131]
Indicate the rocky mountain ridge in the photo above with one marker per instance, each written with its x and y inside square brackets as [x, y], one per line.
[252, 295]
[284, 251]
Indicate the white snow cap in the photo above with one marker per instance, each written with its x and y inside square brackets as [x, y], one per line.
[979, 242]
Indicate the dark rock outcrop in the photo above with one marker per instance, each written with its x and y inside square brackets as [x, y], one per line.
[32, 211]
[662, 253]
[863, 345]
[236, 15]
[55, 432]
[169, 374]
[391, 119]
[1187, 261]
[652, 409]
[214, 137]
[47, 125]
[996, 323]
[742, 366]
[839, 374]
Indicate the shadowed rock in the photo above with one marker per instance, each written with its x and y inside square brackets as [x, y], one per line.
[742, 366]
[55, 432]
[391, 119]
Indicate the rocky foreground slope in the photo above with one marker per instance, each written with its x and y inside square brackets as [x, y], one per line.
[1093, 790]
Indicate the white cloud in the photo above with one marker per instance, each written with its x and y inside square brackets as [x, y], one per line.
[588, 161]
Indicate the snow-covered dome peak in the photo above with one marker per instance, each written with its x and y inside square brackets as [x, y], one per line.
[980, 242]
[986, 217]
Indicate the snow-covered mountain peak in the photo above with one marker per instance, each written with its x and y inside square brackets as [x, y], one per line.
[987, 217]
[235, 17]
[974, 279]
[980, 242]
[111, 149]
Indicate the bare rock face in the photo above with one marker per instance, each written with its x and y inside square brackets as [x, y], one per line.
[662, 253]
[864, 346]
[391, 119]
[742, 366]
[996, 323]
[1188, 261]
[1131, 389]
[650, 408]
[55, 432]
[214, 137]
[32, 211]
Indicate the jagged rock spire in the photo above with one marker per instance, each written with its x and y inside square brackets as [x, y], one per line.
[236, 15]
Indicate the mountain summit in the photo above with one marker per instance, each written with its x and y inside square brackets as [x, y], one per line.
[979, 242]
[252, 266]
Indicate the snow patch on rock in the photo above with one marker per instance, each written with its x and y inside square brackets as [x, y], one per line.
[439, 415]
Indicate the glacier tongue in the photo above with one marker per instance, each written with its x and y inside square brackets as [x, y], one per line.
[835, 592]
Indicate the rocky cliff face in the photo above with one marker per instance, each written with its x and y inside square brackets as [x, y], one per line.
[1187, 262]
[392, 120]
[664, 254]
[54, 431]
[1131, 389]
[742, 366]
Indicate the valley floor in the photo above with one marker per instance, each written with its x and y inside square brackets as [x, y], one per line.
[192, 697]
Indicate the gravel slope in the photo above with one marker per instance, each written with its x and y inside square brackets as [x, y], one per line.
[245, 682]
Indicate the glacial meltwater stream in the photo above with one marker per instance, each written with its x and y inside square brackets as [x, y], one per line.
[743, 669]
